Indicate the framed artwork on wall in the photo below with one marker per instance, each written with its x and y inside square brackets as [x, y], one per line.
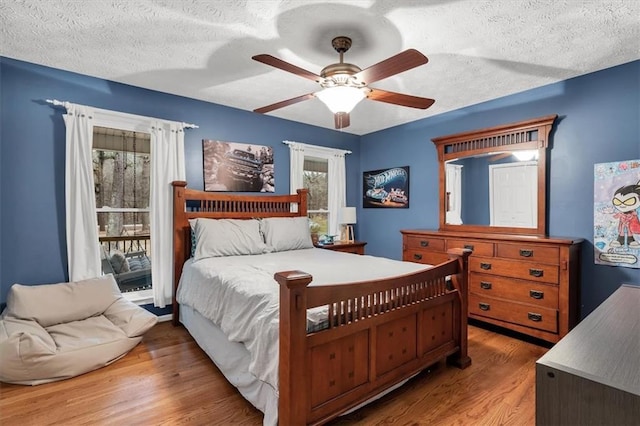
[237, 167]
[616, 232]
[386, 188]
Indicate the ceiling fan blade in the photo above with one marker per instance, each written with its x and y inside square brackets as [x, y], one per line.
[283, 104]
[400, 99]
[396, 64]
[342, 120]
[286, 66]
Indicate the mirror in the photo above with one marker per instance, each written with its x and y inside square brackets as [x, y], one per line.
[494, 180]
[496, 189]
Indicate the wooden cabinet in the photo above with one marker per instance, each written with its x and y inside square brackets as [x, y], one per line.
[523, 283]
[591, 377]
[356, 247]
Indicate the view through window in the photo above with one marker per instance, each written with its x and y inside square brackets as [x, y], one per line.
[121, 167]
[316, 181]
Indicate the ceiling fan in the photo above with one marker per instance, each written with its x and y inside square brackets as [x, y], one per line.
[344, 84]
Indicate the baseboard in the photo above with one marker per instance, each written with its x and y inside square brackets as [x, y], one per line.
[163, 318]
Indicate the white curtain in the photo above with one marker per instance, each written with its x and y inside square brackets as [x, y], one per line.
[336, 176]
[453, 179]
[83, 248]
[167, 165]
[296, 169]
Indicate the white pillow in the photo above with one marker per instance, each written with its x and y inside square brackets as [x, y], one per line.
[286, 233]
[227, 237]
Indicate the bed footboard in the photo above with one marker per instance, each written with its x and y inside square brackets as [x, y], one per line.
[379, 333]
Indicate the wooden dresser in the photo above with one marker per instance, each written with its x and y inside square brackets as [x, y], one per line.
[523, 283]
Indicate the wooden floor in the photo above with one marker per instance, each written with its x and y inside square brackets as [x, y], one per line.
[168, 380]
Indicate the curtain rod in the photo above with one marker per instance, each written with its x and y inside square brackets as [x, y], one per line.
[346, 151]
[64, 104]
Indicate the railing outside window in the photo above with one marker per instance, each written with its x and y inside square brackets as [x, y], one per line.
[127, 243]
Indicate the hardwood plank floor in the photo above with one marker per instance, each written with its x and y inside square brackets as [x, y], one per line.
[168, 380]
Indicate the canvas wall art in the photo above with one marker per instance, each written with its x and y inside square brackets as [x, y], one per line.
[616, 209]
[386, 188]
[238, 167]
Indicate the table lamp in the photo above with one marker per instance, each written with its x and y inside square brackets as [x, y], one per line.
[348, 218]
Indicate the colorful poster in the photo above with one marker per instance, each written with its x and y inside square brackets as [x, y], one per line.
[241, 167]
[386, 188]
[616, 209]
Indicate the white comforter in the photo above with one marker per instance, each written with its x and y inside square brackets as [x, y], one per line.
[240, 295]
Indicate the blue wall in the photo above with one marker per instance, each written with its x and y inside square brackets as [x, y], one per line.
[599, 121]
[32, 155]
[599, 116]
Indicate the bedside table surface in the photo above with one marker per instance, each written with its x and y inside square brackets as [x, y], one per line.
[341, 244]
[356, 247]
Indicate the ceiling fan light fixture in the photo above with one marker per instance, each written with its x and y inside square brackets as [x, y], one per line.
[341, 98]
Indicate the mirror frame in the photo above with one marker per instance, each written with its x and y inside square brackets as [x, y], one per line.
[524, 135]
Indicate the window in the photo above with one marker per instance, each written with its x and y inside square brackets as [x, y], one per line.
[84, 250]
[121, 167]
[322, 171]
[315, 179]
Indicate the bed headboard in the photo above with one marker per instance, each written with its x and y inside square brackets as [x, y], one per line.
[191, 204]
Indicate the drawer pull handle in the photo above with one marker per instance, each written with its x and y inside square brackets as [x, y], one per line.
[468, 246]
[485, 266]
[424, 243]
[417, 256]
[526, 253]
[534, 317]
[536, 272]
[485, 285]
[484, 306]
[536, 294]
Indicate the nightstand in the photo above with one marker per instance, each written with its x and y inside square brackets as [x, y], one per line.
[356, 247]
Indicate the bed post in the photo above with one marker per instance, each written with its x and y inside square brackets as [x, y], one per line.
[461, 358]
[293, 369]
[179, 243]
[302, 204]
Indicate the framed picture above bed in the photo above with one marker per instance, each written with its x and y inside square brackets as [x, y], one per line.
[388, 188]
[237, 167]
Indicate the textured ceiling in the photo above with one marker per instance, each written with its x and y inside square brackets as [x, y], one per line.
[477, 49]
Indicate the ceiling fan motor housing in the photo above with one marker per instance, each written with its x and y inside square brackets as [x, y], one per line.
[341, 69]
[340, 73]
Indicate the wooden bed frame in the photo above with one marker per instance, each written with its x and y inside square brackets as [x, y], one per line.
[380, 332]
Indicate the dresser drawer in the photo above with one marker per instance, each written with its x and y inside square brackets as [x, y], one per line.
[414, 242]
[533, 293]
[531, 271]
[424, 256]
[516, 313]
[480, 248]
[529, 252]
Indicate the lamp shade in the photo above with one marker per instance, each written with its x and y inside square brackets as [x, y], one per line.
[348, 215]
[340, 98]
